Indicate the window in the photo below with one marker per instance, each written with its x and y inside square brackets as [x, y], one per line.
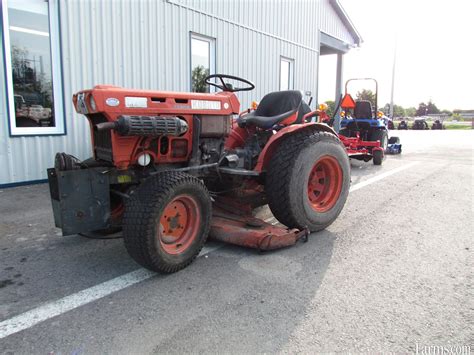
[286, 73]
[32, 67]
[203, 56]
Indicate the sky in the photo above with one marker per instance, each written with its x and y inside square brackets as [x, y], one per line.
[434, 51]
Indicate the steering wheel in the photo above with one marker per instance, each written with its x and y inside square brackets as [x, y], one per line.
[226, 86]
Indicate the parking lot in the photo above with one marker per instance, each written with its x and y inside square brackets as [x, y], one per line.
[392, 273]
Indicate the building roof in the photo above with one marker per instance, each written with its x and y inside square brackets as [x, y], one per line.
[347, 21]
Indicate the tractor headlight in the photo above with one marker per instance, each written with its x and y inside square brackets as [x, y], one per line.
[92, 103]
[144, 159]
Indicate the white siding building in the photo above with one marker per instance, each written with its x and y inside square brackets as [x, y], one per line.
[52, 49]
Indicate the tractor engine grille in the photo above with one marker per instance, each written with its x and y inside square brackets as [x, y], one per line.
[102, 139]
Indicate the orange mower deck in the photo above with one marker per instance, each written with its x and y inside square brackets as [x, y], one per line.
[250, 232]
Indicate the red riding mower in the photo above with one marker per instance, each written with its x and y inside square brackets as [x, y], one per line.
[170, 168]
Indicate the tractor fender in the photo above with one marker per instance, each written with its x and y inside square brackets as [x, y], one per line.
[267, 152]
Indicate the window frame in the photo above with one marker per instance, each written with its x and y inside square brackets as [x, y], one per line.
[291, 72]
[212, 56]
[57, 77]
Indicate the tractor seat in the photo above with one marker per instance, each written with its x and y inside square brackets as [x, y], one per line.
[273, 109]
[363, 109]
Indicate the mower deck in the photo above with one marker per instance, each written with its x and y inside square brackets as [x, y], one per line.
[251, 232]
[358, 147]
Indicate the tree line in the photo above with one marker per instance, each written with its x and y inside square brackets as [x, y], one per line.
[398, 111]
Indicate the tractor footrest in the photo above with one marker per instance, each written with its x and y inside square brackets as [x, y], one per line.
[251, 232]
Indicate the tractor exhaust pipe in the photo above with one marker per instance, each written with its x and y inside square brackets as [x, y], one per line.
[105, 126]
[149, 126]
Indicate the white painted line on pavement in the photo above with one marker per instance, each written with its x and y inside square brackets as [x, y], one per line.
[52, 309]
[55, 308]
[381, 176]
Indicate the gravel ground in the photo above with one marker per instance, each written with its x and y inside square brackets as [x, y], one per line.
[393, 273]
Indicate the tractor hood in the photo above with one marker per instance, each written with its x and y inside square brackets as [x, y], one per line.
[114, 99]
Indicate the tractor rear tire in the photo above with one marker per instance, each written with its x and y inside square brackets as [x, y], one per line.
[380, 135]
[167, 221]
[307, 180]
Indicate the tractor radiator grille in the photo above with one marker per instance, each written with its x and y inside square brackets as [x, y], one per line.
[103, 145]
[102, 139]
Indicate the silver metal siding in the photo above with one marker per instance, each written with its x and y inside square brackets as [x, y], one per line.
[331, 24]
[145, 44]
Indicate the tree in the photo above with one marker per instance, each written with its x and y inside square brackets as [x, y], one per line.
[398, 111]
[331, 107]
[410, 111]
[457, 117]
[426, 109]
[198, 75]
[422, 109]
[432, 107]
[366, 95]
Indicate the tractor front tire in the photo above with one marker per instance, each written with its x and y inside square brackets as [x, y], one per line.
[167, 221]
[308, 180]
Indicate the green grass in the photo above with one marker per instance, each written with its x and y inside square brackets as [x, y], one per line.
[457, 126]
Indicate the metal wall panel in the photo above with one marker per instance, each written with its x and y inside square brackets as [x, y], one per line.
[331, 24]
[291, 20]
[145, 44]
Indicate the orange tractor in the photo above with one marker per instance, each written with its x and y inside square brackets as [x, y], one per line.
[171, 168]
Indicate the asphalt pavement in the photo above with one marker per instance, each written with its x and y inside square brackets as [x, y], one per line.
[392, 274]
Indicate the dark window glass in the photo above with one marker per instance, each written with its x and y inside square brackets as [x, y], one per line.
[31, 65]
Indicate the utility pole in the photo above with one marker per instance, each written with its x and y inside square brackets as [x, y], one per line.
[393, 78]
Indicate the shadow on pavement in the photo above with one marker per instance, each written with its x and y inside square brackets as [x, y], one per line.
[230, 295]
[251, 300]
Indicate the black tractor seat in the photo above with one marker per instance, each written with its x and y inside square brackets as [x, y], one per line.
[273, 109]
[363, 109]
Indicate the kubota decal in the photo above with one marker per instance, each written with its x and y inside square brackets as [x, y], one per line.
[136, 102]
[205, 105]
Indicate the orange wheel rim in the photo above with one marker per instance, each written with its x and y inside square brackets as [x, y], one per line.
[179, 224]
[324, 183]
